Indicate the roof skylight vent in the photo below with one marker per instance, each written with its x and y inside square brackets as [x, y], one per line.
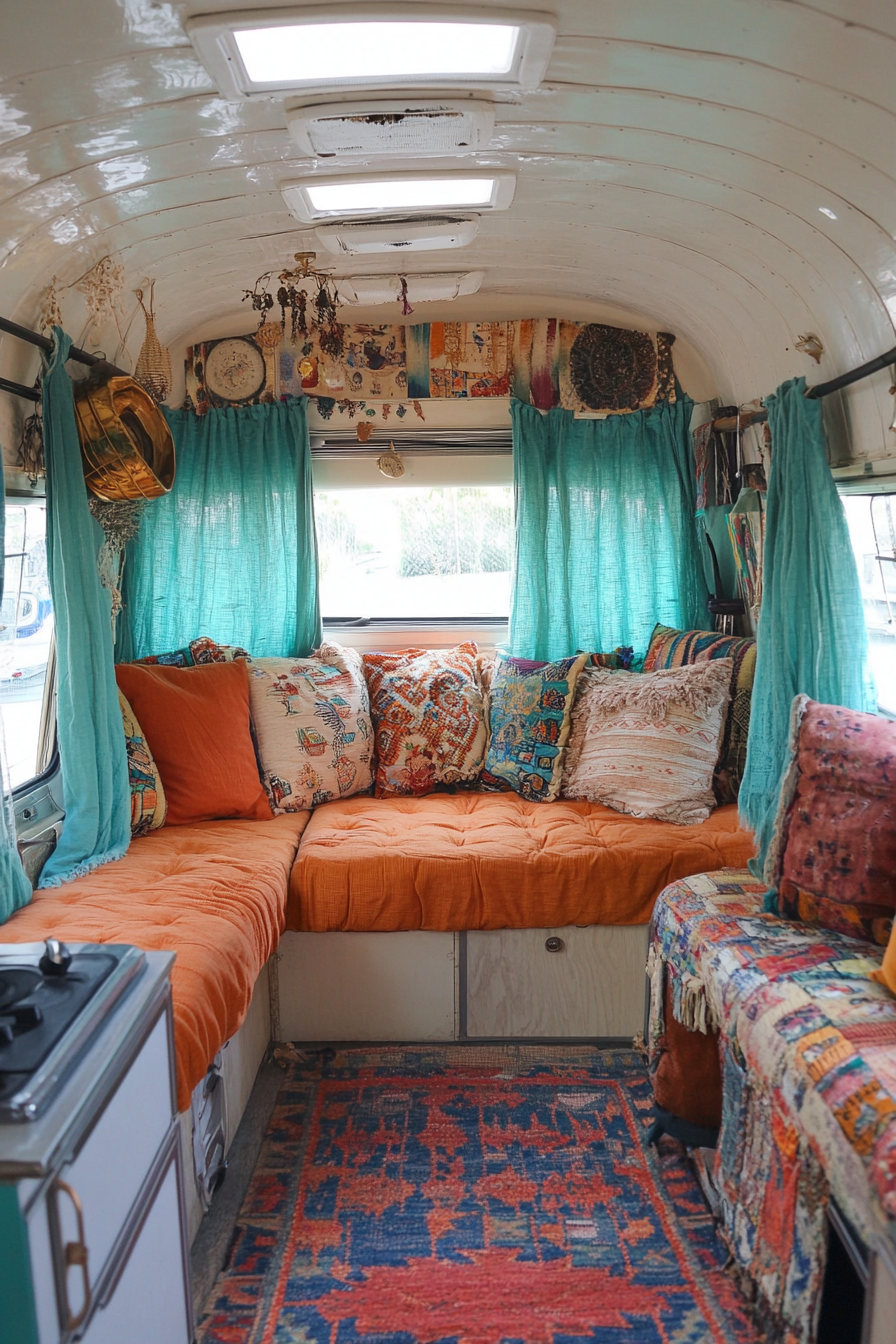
[319, 198]
[258, 53]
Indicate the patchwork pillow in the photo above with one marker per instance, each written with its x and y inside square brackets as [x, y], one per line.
[646, 743]
[429, 719]
[177, 658]
[529, 717]
[312, 725]
[197, 725]
[679, 648]
[205, 650]
[148, 805]
[832, 858]
[620, 660]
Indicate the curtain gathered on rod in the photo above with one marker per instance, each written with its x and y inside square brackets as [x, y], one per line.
[811, 637]
[231, 552]
[15, 889]
[90, 734]
[606, 544]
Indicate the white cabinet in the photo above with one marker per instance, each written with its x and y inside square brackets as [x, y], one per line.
[98, 1201]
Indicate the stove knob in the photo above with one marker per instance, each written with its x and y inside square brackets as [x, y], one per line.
[57, 958]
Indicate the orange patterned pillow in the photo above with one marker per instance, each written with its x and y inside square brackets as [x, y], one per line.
[428, 719]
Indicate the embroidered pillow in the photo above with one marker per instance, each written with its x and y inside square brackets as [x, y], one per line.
[529, 716]
[312, 726]
[429, 719]
[679, 648]
[833, 853]
[620, 660]
[646, 743]
[148, 806]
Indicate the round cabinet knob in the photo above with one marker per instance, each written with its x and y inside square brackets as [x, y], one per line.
[554, 945]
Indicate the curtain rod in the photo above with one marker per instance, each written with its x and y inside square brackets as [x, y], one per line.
[863, 371]
[44, 343]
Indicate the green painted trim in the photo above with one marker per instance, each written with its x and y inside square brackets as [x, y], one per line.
[18, 1321]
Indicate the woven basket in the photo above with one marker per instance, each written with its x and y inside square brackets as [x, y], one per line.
[153, 367]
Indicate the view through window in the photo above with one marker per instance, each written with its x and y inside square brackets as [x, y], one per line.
[408, 552]
[26, 632]
[872, 527]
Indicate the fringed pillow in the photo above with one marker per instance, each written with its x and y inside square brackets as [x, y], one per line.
[680, 648]
[647, 743]
[529, 715]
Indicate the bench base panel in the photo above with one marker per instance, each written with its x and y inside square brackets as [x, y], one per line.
[422, 986]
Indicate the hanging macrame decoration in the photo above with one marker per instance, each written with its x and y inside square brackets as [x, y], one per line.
[153, 367]
[120, 521]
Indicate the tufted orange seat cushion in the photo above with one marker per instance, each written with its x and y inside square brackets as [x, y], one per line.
[492, 861]
[213, 892]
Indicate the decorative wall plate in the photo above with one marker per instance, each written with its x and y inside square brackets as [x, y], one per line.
[235, 369]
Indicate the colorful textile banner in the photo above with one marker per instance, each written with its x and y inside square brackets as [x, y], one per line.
[547, 362]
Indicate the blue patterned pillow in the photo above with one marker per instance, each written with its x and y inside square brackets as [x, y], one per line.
[530, 706]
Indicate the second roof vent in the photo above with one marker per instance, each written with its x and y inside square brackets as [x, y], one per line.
[396, 127]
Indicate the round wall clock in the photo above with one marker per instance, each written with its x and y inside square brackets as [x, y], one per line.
[235, 369]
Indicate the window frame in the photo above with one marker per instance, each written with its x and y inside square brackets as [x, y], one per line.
[870, 485]
[47, 750]
[339, 464]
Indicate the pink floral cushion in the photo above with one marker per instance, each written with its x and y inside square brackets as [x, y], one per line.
[833, 857]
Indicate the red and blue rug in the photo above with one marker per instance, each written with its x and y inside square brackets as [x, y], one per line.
[471, 1195]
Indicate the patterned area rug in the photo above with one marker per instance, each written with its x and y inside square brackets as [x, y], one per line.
[471, 1195]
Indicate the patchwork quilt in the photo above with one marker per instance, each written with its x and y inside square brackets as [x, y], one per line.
[808, 1045]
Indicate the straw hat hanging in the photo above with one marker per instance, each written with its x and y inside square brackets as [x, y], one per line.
[153, 367]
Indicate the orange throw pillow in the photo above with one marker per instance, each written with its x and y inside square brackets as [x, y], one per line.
[196, 722]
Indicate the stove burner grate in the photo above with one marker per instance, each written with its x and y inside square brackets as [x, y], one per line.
[17, 982]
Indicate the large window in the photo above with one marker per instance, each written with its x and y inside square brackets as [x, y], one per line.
[26, 634]
[872, 527]
[415, 552]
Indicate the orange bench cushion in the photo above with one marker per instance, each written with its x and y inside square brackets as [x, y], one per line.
[213, 892]
[492, 861]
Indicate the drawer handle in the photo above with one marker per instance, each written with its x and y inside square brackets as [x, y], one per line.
[75, 1254]
[554, 945]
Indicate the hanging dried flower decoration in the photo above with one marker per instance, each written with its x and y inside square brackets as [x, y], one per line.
[30, 456]
[309, 297]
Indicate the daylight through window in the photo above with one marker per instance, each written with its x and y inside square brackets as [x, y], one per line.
[26, 633]
[872, 527]
[410, 552]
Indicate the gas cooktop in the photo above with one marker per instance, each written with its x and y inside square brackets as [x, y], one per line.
[53, 1001]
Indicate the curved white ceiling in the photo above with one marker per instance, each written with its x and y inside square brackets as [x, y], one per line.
[674, 164]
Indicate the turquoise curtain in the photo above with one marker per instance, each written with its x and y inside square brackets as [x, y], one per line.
[811, 639]
[606, 543]
[96, 793]
[15, 889]
[231, 552]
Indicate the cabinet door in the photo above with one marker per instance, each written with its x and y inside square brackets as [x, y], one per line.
[108, 1172]
[148, 1303]
[556, 982]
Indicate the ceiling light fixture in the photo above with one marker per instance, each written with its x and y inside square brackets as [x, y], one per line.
[260, 52]
[823, 210]
[334, 197]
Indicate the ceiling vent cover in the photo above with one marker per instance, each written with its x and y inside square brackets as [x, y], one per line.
[417, 234]
[395, 127]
